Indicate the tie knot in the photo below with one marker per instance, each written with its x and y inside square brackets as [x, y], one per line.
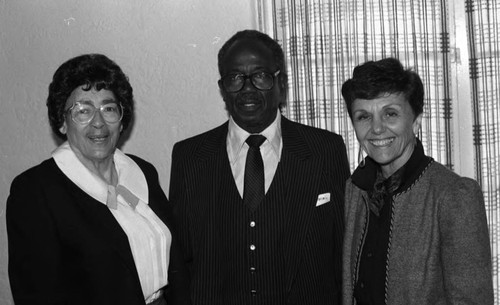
[255, 140]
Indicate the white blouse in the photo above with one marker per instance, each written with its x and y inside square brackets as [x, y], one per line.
[148, 236]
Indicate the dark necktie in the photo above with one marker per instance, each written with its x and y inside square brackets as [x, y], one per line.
[254, 189]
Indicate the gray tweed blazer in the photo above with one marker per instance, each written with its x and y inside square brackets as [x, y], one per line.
[439, 251]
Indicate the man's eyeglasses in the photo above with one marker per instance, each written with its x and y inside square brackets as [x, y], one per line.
[84, 113]
[261, 80]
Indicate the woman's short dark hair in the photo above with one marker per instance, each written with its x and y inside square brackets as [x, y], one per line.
[374, 79]
[93, 71]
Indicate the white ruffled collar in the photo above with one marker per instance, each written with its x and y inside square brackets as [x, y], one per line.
[129, 174]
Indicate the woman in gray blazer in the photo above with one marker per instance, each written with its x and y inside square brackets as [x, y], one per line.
[416, 233]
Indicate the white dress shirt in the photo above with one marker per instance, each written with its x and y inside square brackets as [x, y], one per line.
[270, 150]
[148, 236]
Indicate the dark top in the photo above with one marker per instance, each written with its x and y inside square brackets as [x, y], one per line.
[67, 248]
[287, 250]
[370, 287]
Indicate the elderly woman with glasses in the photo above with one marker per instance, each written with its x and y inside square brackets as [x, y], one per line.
[91, 225]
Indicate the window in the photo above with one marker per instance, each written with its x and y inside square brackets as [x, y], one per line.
[454, 47]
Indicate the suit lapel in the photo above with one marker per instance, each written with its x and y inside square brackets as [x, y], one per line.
[212, 144]
[211, 157]
[214, 175]
[298, 178]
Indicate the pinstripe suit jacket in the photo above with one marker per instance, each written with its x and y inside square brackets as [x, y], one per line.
[296, 258]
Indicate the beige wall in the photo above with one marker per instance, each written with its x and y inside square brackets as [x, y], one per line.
[168, 48]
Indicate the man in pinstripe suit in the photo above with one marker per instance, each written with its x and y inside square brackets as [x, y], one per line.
[287, 248]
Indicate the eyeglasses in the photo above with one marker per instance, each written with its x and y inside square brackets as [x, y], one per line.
[261, 80]
[84, 113]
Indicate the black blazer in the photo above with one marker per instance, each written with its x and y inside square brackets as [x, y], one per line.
[67, 248]
[300, 243]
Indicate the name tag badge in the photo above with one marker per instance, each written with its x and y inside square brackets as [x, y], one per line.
[322, 199]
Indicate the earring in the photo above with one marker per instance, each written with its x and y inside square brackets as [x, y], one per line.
[361, 157]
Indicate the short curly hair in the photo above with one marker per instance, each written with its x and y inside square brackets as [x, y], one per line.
[271, 44]
[386, 76]
[93, 71]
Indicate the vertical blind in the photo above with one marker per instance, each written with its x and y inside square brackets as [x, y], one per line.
[324, 40]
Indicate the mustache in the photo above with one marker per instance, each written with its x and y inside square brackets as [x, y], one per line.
[248, 95]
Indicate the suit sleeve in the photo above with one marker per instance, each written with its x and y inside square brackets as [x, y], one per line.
[36, 272]
[340, 173]
[178, 197]
[465, 246]
[341, 165]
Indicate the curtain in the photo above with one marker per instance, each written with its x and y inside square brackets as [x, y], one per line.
[324, 40]
[483, 24]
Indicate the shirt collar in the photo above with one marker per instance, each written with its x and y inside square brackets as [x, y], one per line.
[130, 174]
[237, 136]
